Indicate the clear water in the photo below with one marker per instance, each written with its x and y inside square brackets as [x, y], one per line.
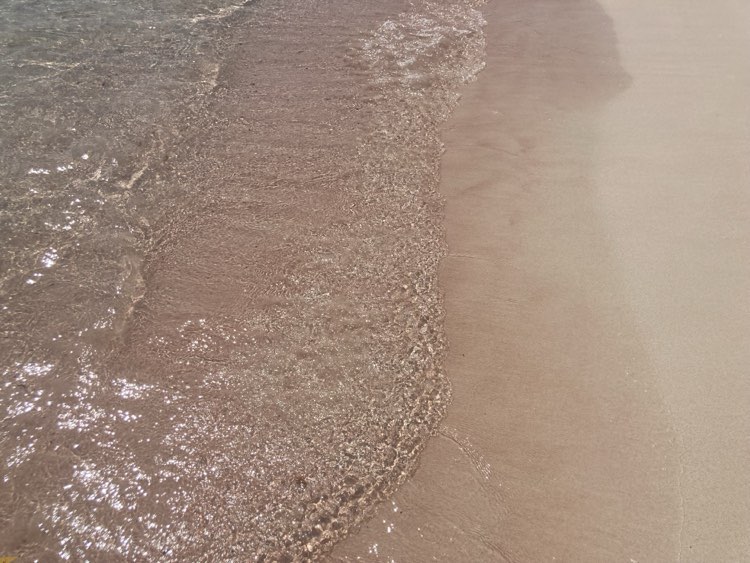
[221, 329]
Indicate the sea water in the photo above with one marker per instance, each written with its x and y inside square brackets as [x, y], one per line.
[220, 321]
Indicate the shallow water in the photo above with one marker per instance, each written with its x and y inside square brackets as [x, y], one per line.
[221, 324]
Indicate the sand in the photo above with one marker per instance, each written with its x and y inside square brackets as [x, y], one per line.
[597, 294]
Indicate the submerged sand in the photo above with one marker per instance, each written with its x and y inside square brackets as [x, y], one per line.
[597, 295]
[224, 345]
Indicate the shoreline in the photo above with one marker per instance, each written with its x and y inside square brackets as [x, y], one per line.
[246, 281]
[573, 433]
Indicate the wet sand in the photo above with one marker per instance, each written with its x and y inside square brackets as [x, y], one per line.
[596, 292]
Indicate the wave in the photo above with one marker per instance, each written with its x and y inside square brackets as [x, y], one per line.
[268, 365]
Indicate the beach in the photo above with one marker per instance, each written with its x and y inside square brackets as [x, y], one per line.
[596, 294]
[400, 281]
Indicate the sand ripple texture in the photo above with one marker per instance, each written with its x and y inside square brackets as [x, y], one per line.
[249, 357]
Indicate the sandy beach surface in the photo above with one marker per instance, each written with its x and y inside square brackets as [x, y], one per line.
[597, 295]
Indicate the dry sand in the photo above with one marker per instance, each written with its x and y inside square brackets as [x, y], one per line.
[597, 289]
